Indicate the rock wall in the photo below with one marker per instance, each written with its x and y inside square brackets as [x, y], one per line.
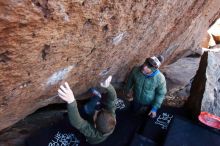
[44, 42]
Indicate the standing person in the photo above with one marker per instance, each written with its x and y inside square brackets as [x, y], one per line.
[149, 86]
[104, 120]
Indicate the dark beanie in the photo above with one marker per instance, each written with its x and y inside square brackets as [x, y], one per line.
[160, 58]
[154, 61]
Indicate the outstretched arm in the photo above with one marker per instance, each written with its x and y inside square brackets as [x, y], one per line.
[109, 102]
[67, 95]
[75, 119]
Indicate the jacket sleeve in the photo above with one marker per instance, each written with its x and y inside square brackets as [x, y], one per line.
[109, 102]
[79, 123]
[130, 82]
[160, 92]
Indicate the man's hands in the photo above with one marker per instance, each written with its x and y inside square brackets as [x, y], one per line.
[66, 93]
[152, 114]
[106, 83]
[129, 96]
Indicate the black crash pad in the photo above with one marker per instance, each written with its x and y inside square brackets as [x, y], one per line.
[62, 133]
[140, 140]
[152, 131]
[156, 129]
[185, 133]
[130, 130]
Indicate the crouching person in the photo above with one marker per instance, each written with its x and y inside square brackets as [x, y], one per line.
[104, 120]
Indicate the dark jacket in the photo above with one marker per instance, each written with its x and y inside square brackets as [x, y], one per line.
[92, 135]
[147, 91]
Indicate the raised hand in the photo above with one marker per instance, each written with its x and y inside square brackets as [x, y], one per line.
[152, 114]
[66, 93]
[107, 82]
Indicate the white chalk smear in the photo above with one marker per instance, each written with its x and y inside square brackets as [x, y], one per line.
[63, 12]
[164, 120]
[64, 139]
[59, 75]
[119, 104]
[117, 39]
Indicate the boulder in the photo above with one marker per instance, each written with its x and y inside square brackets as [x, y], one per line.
[180, 73]
[205, 90]
[179, 76]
